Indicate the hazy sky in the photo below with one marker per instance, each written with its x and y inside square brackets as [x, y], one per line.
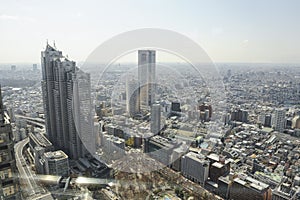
[228, 30]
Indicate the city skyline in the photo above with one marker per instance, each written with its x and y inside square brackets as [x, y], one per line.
[150, 100]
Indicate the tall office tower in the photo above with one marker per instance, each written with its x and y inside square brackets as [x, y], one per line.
[279, 120]
[9, 185]
[132, 97]
[155, 118]
[146, 75]
[62, 85]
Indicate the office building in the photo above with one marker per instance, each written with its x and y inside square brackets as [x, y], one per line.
[175, 107]
[195, 168]
[224, 184]
[155, 118]
[279, 120]
[9, 184]
[39, 140]
[66, 93]
[132, 97]
[284, 191]
[206, 108]
[218, 169]
[56, 163]
[249, 189]
[159, 148]
[146, 76]
[239, 115]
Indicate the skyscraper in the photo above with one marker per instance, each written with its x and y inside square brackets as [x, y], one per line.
[155, 118]
[9, 186]
[63, 104]
[146, 76]
[279, 119]
[132, 97]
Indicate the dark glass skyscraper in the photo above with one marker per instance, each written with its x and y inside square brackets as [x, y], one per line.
[66, 94]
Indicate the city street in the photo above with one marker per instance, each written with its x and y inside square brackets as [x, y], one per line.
[25, 174]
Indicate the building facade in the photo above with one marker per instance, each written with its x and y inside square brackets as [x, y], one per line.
[9, 184]
[155, 118]
[195, 168]
[66, 95]
[279, 120]
[56, 163]
[146, 76]
[132, 97]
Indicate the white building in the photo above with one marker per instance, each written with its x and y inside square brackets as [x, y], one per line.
[279, 120]
[195, 168]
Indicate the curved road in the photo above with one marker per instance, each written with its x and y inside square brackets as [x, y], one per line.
[24, 170]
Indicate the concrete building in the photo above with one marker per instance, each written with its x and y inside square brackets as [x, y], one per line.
[224, 184]
[63, 87]
[155, 123]
[218, 169]
[39, 140]
[160, 148]
[249, 189]
[206, 108]
[39, 144]
[239, 115]
[284, 192]
[146, 76]
[279, 120]
[268, 120]
[9, 184]
[56, 163]
[195, 168]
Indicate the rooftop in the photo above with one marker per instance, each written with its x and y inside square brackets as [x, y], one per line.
[55, 155]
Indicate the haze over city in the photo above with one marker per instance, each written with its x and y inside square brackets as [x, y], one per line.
[229, 31]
